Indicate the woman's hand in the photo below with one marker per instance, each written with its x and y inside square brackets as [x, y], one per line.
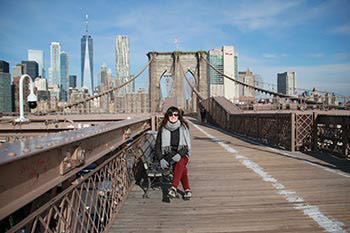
[176, 158]
[164, 164]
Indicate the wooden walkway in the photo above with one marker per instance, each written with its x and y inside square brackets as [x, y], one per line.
[239, 186]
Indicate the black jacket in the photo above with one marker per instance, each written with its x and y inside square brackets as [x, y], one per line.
[174, 143]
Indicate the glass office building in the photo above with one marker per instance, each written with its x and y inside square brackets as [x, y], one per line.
[5, 90]
[64, 80]
[216, 59]
[87, 64]
[32, 69]
[38, 56]
[286, 83]
[55, 63]
[216, 80]
[72, 81]
[226, 61]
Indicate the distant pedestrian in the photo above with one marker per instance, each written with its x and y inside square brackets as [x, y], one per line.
[203, 114]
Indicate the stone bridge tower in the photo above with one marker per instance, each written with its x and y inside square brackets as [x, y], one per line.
[168, 63]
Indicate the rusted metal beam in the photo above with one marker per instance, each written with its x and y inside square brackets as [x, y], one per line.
[33, 166]
[18, 133]
[43, 125]
[76, 117]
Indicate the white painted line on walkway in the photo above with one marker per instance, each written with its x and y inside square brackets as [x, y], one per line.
[298, 202]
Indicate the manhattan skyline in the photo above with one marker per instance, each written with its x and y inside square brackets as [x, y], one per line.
[310, 38]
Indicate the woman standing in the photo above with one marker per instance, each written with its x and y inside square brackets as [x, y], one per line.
[173, 146]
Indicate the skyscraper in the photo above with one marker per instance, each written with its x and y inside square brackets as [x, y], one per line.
[87, 74]
[72, 81]
[40, 84]
[38, 56]
[216, 80]
[122, 63]
[133, 87]
[32, 69]
[286, 83]
[17, 71]
[4, 67]
[236, 65]
[231, 91]
[55, 63]
[109, 78]
[247, 77]
[103, 76]
[5, 87]
[226, 61]
[64, 80]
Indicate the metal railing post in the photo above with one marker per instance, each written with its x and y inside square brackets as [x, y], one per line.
[314, 131]
[292, 132]
[344, 136]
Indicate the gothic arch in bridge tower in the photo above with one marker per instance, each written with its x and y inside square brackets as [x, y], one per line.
[188, 93]
[176, 64]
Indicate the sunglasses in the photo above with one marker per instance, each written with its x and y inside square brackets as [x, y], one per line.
[174, 114]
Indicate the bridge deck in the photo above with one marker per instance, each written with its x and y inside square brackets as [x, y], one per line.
[239, 186]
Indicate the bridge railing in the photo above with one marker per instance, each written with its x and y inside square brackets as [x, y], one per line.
[89, 205]
[274, 129]
[47, 188]
[291, 131]
[332, 134]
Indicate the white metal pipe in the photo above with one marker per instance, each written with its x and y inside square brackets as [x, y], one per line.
[31, 87]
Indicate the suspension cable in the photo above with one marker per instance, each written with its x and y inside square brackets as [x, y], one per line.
[247, 85]
[105, 92]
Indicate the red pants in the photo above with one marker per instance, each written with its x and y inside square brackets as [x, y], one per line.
[180, 173]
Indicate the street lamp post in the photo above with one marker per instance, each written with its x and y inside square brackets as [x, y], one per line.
[32, 98]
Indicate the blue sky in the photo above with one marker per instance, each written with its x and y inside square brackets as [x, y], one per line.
[309, 37]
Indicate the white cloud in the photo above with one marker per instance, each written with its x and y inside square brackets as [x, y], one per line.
[343, 29]
[315, 55]
[341, 56]
[260, 15]
[272, 55]
[269, 55]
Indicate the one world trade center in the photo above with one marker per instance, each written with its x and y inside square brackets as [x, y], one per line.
[87, 75]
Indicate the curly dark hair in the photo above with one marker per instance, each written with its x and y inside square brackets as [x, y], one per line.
[170, 111]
